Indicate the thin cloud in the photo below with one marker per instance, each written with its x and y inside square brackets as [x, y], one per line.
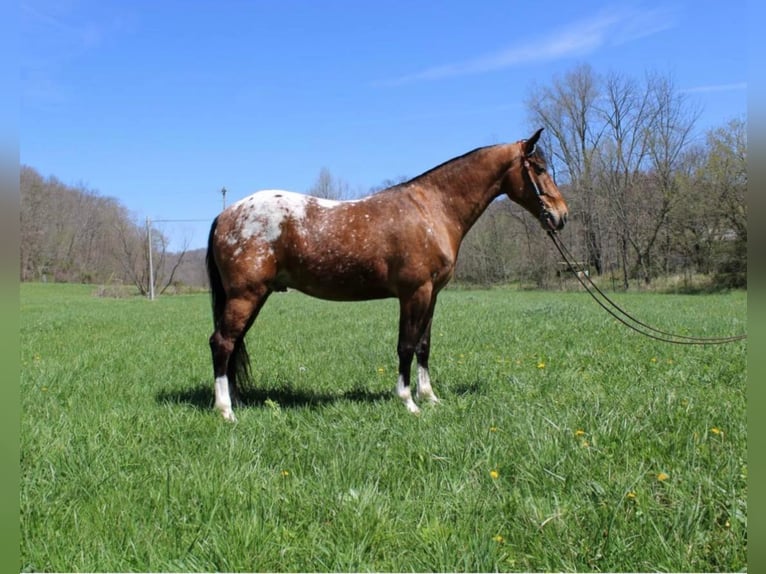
[717, 88]
[611, 27]
[46, 18]
[84, 35]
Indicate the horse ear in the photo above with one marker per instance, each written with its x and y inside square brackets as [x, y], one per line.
[529, 145]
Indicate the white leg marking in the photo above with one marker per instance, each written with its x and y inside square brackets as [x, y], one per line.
[222, 398]
[425, 391]
[405, 394]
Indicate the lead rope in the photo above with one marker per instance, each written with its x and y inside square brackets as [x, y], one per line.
[646, 330]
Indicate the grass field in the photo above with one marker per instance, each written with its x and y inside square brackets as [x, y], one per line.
[564, 442]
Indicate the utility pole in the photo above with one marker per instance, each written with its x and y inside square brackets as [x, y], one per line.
[151, 266]
[223, 195]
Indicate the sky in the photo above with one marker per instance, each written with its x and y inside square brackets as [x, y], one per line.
[163, 104]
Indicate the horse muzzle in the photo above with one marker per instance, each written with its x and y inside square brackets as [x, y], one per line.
[552, 222]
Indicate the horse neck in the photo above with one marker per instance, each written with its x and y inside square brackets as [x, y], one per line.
[467, 185]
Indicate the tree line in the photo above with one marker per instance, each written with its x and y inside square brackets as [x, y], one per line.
[647, 197]
[73, 234]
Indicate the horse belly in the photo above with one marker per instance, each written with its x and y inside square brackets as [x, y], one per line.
[336, 278]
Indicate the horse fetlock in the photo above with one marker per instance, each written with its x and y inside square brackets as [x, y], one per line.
[404, 392]
[424, 391]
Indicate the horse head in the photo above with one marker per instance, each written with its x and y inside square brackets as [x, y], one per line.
[528, 183]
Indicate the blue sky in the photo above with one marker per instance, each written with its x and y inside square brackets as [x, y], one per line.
[161, 104]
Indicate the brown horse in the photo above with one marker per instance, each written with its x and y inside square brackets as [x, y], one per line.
[400, 242]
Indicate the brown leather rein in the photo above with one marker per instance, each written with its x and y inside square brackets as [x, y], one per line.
[623, 316]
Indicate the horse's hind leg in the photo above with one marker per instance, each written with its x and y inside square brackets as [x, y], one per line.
[227, 345]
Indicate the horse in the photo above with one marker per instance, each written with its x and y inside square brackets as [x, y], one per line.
[400, 242]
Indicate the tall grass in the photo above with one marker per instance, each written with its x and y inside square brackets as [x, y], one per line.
[563, 442]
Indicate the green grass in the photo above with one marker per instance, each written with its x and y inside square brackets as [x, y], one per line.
[564, 442]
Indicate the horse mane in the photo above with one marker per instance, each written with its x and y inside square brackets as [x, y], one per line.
[450, 162]
[456, 161]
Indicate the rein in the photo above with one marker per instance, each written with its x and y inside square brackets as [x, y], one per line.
[605, 302]
[627, 319]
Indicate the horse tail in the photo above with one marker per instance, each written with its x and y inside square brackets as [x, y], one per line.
[238, 369]
[217, 292]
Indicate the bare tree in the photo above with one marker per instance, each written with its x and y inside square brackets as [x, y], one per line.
[32, 233]
[135, 242]
[568, 111]
[626, 114]
[671, 124]
[619, 143]
[329, 187]
[389, 182]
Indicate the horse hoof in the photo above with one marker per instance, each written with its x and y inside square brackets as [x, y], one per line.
[412, 407]
[229, 416]
[429, 398]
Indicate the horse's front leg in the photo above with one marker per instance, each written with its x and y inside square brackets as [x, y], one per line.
[422, 352]
[415, 314]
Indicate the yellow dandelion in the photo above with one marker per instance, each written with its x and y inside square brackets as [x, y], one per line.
[492, 429]
[494, 474]
[285, 473]
[631, 495]
[653, 359]
[541, 365]
[716, 430]
[662, 477]
[499, 539]
[579, 432]
[381, 370]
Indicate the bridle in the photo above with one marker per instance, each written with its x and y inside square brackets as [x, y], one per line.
[545, 215]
